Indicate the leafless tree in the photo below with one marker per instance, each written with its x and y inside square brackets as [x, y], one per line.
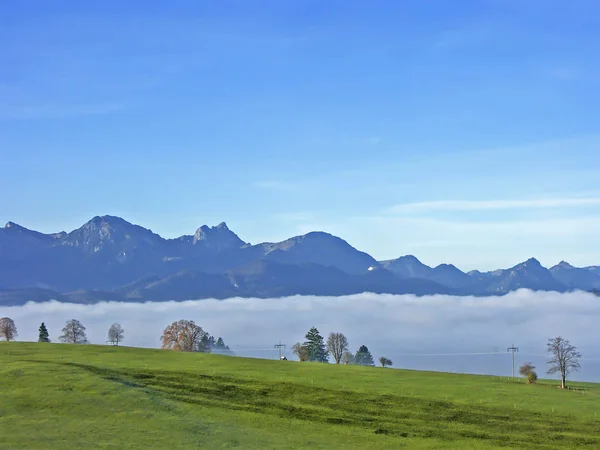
[337, 344]
[565, 358]
[116, 333]
[8, 329]
[73, 333]
[301, 351]
[183, 336]
[385, 362]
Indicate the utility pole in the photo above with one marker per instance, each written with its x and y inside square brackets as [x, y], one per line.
[513, 349]
[279, 347]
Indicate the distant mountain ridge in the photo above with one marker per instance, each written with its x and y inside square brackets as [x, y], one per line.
[109, 258]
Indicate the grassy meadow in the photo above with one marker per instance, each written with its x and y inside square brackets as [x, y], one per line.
[86, 396]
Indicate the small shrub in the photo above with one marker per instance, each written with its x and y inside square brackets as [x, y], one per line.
[385, 362]
[531, 377]
[526, 369]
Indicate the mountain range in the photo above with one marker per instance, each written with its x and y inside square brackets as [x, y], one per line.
[111, 259]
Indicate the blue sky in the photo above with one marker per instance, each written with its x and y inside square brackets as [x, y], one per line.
[464, 132]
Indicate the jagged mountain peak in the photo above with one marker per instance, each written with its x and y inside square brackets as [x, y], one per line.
[529, 274]
[217, 238]
[575, 277]
[106, 225]
[110, 231]
[107, 252]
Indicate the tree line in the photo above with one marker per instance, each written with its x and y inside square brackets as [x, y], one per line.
[564, 360]
[72, 333]
[315, 349]
[186, 336]
[182, 335]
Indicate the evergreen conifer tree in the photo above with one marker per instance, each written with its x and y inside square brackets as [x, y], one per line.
[220, 344]
[363, 357]
[207, 344]
[43, 334]
[222, 348]
[316, 346]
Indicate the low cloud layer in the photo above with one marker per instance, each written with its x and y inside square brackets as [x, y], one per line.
[457, 334]
[478, 205]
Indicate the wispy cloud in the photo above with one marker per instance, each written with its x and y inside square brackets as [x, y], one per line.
[59, 111]
[484, 205]
[406, 329]
[507, 228]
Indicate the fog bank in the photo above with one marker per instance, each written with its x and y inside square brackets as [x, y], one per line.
[446, 333]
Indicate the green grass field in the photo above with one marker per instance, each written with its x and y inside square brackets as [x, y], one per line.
[67, 396]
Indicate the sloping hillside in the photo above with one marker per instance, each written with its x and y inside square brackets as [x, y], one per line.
[67, 396]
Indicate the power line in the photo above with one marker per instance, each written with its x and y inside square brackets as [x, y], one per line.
[449, 354]
[513, 349]
[279, 347]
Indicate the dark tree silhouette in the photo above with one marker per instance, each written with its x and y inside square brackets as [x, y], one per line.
[316, 346]
[363, 357]
[43, 333]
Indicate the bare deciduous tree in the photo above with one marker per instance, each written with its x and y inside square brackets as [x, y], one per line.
[385, 362]
[337, 344]
[73, 333]
[116, 333]
[183, 336]
[301, 351]
[8, 329]
[565, 358]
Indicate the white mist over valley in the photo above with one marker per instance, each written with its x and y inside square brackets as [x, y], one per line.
[440, 333]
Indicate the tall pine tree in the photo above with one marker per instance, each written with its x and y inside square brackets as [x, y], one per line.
[43, 336]
[363, 357]
[316, 346]
[221, 348]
